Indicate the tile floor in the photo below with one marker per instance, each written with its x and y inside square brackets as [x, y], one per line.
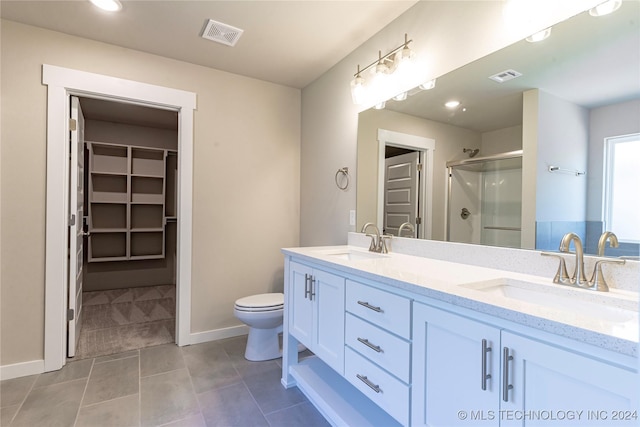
[209, 384]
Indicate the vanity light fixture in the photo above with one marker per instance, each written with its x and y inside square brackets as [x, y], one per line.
[605, 8]
[539, 36]
[428, 85]
[108, 5]
[390, 74]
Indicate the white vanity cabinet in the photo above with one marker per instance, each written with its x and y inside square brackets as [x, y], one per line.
[467, 372]
[316, 312]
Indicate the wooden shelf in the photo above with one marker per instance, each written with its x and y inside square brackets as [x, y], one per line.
[127, 201]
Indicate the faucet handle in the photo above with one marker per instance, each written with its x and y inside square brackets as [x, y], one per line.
[382, 244]
[374, 245]
[597, 282]
[561, 275]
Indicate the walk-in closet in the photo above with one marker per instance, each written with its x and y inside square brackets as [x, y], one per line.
[128, 273]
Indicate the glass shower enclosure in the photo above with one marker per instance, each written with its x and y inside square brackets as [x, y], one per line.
[484, 200]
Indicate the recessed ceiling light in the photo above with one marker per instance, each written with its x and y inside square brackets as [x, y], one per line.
[108, 5]
[452, 104]
[605, 8]
[539, 36]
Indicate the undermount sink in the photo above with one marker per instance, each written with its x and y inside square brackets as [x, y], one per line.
[353, 255]
[596, 305]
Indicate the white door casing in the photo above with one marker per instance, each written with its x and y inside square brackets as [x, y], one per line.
[401, 184]
[426, 147]
[76, 235]
[61, 84]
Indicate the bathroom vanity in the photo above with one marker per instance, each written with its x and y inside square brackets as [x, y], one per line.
[408, 340]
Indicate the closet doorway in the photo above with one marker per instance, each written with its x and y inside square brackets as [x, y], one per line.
[62, 84]
[125, 263]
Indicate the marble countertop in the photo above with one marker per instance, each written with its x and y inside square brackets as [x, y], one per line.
[458, 284]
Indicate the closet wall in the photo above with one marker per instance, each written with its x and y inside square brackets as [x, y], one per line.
[99, 128]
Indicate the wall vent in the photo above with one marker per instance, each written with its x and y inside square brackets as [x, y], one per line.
[221, 33]
[504, 76]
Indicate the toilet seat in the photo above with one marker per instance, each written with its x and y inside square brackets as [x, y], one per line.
[261, 303]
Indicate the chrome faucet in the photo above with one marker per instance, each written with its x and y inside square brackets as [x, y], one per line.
[377, 240]
[578, 278]
[602, 243]
[408, 226]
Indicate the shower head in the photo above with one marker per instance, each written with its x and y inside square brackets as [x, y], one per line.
[472, 151]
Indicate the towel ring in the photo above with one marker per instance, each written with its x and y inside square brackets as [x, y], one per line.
[344, 172]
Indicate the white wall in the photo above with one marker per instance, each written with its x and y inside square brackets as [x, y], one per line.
[446, 35]
[501, 141]
[611, 120]
[246, 178]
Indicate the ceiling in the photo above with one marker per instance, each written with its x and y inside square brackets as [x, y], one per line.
[291, 43]
[588, 61]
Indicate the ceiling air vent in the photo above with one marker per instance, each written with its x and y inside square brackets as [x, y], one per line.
[504, 76]
[221, 33]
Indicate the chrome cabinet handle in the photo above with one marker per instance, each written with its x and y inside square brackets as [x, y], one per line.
[370, 307]
[312, 288]
[371, 385]
[485, 375]
[306, 286]
[371, 346]
[506, 358]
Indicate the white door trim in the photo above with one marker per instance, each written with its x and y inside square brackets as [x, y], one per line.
[62, 83]
[425, 146]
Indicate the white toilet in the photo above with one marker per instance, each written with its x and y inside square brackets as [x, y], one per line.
[263, 314]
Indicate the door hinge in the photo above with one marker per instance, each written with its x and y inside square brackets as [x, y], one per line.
[73, 124]
[419, 167]
[418, 220]
[70, 314]
[72, 220]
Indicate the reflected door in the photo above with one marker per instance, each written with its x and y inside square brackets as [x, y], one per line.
[401, 186]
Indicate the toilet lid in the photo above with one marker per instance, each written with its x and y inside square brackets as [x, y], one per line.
[262, 302]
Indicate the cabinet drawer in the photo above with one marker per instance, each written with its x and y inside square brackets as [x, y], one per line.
[384, 309]
[379, 346]
[387, 392]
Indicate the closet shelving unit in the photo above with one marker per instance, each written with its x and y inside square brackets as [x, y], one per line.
[128, 202]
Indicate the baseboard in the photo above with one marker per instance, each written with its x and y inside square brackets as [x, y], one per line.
[218, 334]
[22, 369]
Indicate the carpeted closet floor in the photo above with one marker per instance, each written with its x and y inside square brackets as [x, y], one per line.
[119, 320]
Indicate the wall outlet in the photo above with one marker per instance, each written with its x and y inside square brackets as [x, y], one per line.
[352, 217]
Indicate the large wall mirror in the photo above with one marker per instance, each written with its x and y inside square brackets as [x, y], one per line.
[568, 95]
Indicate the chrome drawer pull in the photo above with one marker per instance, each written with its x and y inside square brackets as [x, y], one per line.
[505, 374]
[371, 346]
[307, 291]
[370, 307]
[485, 375]
[371, 385]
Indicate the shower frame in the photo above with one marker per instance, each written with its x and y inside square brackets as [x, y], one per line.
[470, 161]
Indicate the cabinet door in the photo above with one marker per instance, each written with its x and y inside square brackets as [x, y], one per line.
[300, 306]
[575, 389]
[448, 366]
[328, 297]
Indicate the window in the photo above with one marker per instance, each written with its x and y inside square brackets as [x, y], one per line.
[622, 186]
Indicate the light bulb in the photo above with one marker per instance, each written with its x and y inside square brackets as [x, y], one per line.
[108, 5]
[357, 90]
[605, 8]
[428, 85]
[379, 106]
[401, 96]
[539, 36]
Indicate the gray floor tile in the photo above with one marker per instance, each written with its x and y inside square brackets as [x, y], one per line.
[210, 366]
[52, 405]
[166, 398]
[7, 413]
[159, 359]
[192, 421]
[270, 394]
[230, 406]
[124, 355]
[121, 412]
[304, 414]
[110, 380]
[235, 347]
[13, 391]
[71, 371]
